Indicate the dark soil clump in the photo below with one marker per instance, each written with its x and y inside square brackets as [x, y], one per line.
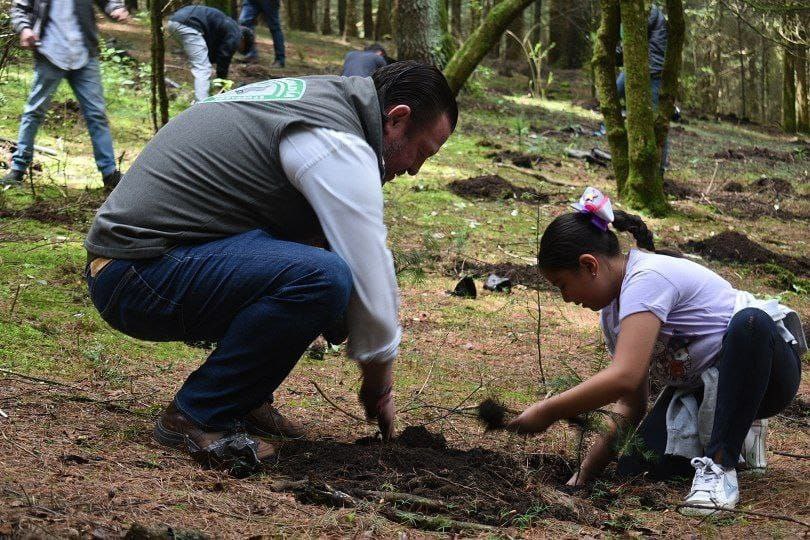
[679, 191]
[420, 437]
[494, 187]
[737, 247]
[734, 187]
[741, 154]
[476, 485]
[250, 73]
[492, 413]
[522, 274]
[780, 186]
[59, 211]
[518, 158]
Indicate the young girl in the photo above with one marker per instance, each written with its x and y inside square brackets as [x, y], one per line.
[726, 358]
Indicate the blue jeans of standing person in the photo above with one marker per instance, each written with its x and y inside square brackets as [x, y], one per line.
[263, 301]
[270, 8]
[655, 87]
[759, 375]
[86, 85]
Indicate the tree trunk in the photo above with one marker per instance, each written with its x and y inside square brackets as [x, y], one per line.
[802, 92]
[368, 20]
[568, 23]
[326, 21]
[475, 47]
[418, 34]
[341, 15]
[644, 186]
[476, 10]
[604, 63]
[160, 100]
[741, 52]
[350, 28]
[455, 18]
[788, 91]
[511, 52]
[537, 21]
[673, 60]
[223, 5]
[383, 26]
[306, 15]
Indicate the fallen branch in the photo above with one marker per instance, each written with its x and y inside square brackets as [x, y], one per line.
[534, 174]
[37, 379]
[797, 456]
[421, 503]
[744, 512]
[42, 149]
[434, 523]
[335, 405]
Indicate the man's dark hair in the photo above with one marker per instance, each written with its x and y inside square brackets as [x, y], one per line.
[376, 48]
[421, 87]
[248, 36]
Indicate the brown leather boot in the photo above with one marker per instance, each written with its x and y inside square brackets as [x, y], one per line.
[236, 450]
[266, 421]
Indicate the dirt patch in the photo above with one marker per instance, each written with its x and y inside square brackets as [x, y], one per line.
[517, 158]
[520, 274]
[679, 191]
[250, 73]
[737, 247]
[476, 485]
[734, 187]
[63, 112]
[752, 206]
[494, 187]
[779, 186]
[59, 211]
[743, 154]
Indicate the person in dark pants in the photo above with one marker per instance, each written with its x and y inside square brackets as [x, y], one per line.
[208, 37]
[364, 63]
[251, 9]
[726, 358]
[269, 246]
[64, 38]
[657, 40]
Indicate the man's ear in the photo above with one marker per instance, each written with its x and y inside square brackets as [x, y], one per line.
[398, 118]
[590, 264]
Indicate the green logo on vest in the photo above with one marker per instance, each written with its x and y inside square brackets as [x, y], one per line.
[272, 90]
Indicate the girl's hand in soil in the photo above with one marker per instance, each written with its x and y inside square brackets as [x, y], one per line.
[535, 419]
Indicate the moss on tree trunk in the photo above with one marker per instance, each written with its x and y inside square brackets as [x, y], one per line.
[644, 186]
[465, 60]
[673, 60]
[604, 63]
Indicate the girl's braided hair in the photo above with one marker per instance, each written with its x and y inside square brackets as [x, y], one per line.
[571, 235]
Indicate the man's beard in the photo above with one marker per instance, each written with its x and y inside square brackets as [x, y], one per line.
[389, 151]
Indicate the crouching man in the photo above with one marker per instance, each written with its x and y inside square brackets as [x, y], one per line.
[210, 236]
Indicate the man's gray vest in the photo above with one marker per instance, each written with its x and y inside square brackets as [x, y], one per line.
[214, 170]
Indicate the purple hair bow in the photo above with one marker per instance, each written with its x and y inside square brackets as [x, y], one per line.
[597, 204]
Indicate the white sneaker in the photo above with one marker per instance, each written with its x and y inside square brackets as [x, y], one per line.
[754, 450]
[713, 488]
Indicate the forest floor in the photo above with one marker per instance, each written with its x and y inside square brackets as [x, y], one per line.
[79, 400]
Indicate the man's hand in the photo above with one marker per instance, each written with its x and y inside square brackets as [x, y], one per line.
[535, 419]
[120, 14]
[377, 397]
[28, 38]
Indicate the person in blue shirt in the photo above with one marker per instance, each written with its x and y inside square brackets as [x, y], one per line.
[364, 63]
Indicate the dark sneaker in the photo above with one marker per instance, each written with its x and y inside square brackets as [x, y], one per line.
[236, 451]
[13, 177]
[248, 60]
[277, 64]
[111, 180]
[266, 421]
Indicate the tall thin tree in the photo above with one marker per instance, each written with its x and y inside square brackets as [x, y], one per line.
[368, 20]
[160, 100]
[382, 27]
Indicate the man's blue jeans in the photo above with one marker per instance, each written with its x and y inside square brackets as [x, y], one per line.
[261, 299]
[655, 86]
[270, 8]
[86, 85]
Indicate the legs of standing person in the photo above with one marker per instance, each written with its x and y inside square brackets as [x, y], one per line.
[86, 85]
[620, 84]
[250, 10]
[263, 300]
[46, 80]
[271, 9]
[759, 377]
[197, 52]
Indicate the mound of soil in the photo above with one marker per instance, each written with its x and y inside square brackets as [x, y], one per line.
[737, 247]
[494, 187]
[474, 485]
[250, 73]
[492, 413]
[752, 206]
[741, 154]
[734, 187]
[63, 112]
[679, 191]
[523, 274]
[518, 158]
[780, 186]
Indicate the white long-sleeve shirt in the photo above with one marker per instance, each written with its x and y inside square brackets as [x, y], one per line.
[339, 176]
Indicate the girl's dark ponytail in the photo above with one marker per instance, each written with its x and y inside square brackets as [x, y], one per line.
[624, 222]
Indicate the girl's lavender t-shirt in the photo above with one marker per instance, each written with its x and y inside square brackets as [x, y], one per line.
[693, 303]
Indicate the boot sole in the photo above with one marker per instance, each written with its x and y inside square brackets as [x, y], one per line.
[171, 438]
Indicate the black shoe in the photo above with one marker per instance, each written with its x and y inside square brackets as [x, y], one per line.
[277, 64]
[13, 177]
[111, 180]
